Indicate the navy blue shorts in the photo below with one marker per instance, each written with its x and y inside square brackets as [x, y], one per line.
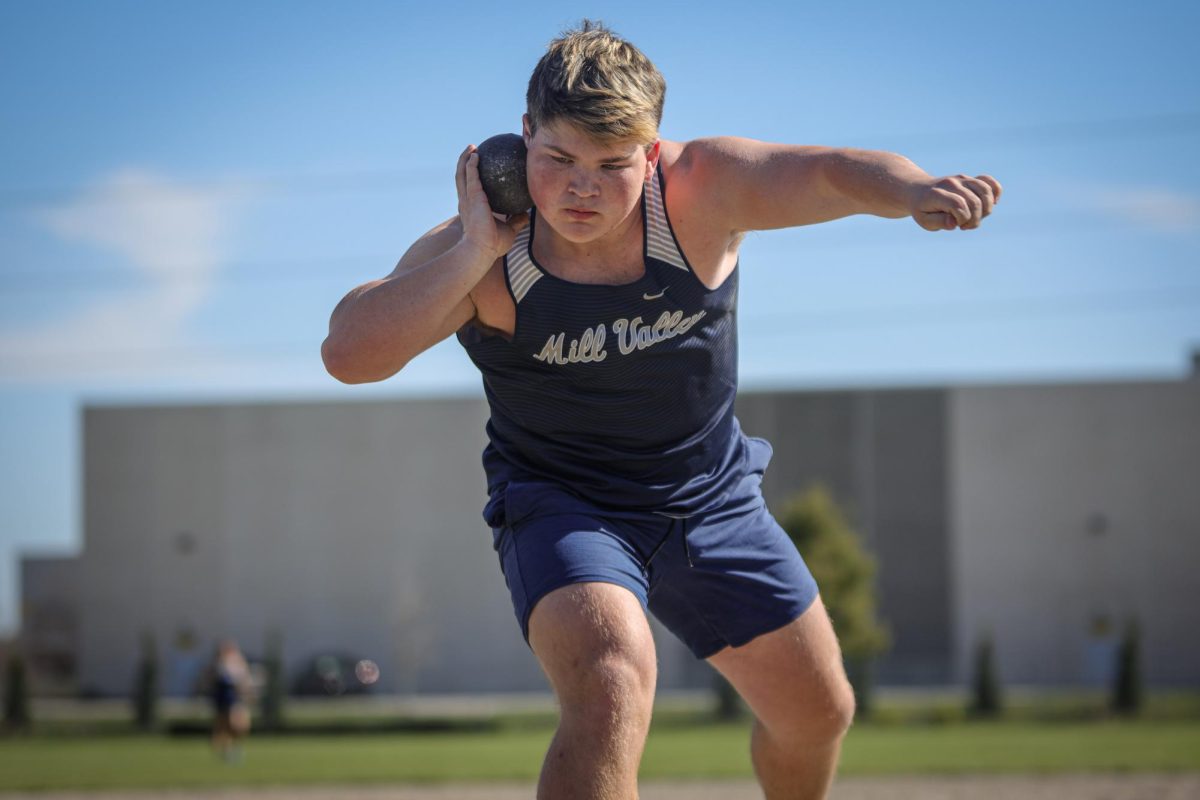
[714, 580]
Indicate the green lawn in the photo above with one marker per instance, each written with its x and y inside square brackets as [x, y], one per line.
[672, 751]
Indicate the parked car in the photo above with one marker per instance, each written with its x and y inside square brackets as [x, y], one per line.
[335, 673]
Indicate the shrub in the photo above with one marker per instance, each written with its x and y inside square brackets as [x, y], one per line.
[985, 688]
[16, 694]
[145, 685]
[845, 573]
[1128, 691]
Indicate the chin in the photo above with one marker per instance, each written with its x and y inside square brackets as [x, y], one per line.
[574, 231]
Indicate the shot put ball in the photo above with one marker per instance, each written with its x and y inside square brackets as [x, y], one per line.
[502, 172]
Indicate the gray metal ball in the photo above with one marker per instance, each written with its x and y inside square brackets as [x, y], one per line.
[502, 172]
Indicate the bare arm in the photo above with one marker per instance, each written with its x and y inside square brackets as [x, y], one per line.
[382, 325]
[759, 186]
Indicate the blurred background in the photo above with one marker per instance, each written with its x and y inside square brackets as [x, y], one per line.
[1007, 420]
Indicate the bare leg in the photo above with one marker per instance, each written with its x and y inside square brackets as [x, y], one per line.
[793, 680]
[594, 643]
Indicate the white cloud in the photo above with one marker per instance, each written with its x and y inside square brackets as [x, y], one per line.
[166, 231]
[1164, 210]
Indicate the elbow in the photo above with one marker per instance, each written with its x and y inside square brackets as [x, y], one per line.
[335, 362]
[345, 367]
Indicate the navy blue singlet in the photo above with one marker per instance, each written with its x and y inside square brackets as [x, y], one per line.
[622, 394]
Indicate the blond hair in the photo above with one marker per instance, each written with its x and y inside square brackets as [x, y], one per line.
[598, 82]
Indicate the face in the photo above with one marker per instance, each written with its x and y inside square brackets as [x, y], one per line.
[583, 188]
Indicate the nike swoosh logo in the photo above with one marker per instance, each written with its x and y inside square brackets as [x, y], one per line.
[655, 296]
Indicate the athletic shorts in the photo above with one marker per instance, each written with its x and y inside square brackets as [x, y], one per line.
[714, 580]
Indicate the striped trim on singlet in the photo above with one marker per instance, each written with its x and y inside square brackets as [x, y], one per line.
[522, 272]
[660, 244]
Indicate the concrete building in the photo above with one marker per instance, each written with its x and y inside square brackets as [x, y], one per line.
[1045, 515]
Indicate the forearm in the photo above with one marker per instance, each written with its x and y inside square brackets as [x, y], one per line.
[380, 326]
[874, 181]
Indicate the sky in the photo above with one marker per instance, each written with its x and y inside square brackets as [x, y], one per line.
[188, 189]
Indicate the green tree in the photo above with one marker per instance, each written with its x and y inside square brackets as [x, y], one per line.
[145, 685]
[845, 574]
[1127, 684]
[729, 702]
[273, 691]
[985, 688]
[16, 693]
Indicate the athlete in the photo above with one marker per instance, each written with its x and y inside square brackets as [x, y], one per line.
[619, 480]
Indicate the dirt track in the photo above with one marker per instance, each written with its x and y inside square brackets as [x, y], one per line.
[1070, 787]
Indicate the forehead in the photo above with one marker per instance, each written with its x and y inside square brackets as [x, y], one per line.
[571, 139]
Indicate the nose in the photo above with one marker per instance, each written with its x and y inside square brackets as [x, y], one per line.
[582, 184]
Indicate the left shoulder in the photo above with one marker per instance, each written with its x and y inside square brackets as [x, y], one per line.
[694, 161]
[692, 172]
[717, 177]
[697, 210]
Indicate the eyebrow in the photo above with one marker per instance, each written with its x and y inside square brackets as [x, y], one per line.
[602, 161]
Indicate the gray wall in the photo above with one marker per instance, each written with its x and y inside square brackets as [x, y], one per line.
[50, 622]
[347, 526]
[883, 456]
[1077, 507]
[1044, 514]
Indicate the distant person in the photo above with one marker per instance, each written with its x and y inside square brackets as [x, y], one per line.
[231, 689]
[603, 321]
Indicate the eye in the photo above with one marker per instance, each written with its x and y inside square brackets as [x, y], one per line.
[615, 167]
[561, 160]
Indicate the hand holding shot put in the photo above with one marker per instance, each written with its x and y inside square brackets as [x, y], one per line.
[601, 314]
[480, 225]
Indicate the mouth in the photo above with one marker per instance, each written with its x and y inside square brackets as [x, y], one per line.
[575, 213]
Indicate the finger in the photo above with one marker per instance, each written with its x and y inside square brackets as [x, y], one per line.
[952, 203]
[935, 220]
[471, 172]
[982, 191]
[460, 176]
[972, 199]
[992, 182]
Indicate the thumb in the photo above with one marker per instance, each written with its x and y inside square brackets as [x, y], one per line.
[935, 220]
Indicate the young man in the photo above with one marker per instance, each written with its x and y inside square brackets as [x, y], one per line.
[619, 480]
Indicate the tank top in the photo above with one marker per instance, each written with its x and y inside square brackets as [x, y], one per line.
[620, 394]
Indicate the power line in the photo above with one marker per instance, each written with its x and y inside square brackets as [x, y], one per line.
[389, 178]
[382, 179]
[1049, 133]
[55, 281]
[770, 324]
[975, 310]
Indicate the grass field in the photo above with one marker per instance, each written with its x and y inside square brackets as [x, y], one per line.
[673, 751]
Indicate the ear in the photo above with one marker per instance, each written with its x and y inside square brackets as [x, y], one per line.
[652, 159]
[525, 132]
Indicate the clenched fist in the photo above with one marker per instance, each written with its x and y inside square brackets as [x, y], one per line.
[957, 201]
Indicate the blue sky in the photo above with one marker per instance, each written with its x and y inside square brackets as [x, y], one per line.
[187, 189]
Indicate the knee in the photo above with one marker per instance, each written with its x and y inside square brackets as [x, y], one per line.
[595, 646]
[613, 685]
[824, 719]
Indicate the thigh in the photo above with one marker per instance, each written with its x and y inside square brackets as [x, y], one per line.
[792, 672]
